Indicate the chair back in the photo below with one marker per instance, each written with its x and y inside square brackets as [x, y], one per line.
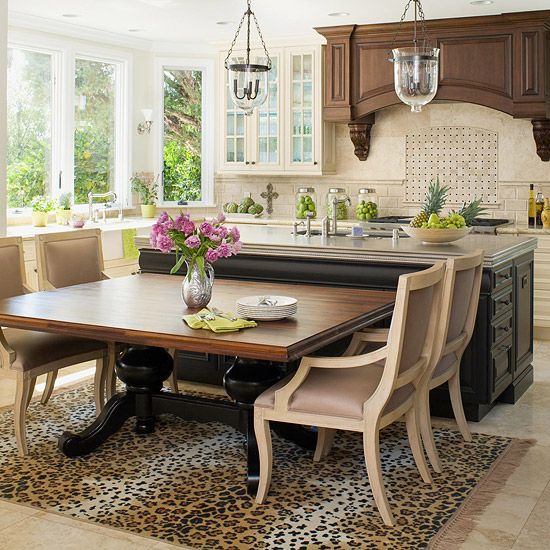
[69, 258]
[411, 335]
[459, 305]
[13, 279]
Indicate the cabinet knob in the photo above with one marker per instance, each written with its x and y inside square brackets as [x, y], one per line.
[247, 163]
[315, 163]
[505, 302]
[253, 162]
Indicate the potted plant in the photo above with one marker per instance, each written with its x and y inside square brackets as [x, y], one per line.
[63, 214]
[146, 186]
[41, 207]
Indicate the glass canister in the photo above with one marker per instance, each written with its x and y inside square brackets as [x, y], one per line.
[367, 204]
[306, 201]
[343, 202]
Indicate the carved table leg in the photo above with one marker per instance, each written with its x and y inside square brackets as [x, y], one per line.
[243, 382]
[143, 370]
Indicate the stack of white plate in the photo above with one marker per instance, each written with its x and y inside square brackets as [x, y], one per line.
[266, 308]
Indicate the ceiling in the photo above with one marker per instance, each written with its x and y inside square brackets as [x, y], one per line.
[194, 21]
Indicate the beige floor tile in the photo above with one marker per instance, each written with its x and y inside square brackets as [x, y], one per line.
[40, 534]
[536, 532]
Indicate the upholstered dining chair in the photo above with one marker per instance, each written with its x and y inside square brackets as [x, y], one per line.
[362, 392]
[26, 354]
[459, 305]
[56, 254]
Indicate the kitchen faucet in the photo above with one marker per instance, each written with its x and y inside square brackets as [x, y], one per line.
[92, 196]
[307, 224]
[326, 221]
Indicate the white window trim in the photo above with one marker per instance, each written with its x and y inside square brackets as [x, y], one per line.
[207, 66]
[63, 66]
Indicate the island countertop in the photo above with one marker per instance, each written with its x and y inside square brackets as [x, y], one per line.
[279, 241]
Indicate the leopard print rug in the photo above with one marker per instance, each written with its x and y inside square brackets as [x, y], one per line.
[184, 484]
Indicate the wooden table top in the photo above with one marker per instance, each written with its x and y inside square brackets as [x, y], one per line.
[147, 309]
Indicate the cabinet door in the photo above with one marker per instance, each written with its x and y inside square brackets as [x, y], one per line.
[523, 297]
[303, 108]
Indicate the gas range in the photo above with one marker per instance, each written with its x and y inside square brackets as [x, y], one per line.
[389, 223]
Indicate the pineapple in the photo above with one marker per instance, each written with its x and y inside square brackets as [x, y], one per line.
[433, 203]
[471, 211]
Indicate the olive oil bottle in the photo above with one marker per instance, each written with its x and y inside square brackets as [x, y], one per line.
[539, 206]
[531, 206]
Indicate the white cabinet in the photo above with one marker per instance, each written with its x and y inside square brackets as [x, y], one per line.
[286, 134]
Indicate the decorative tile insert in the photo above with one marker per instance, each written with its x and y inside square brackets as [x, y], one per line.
[464, 158]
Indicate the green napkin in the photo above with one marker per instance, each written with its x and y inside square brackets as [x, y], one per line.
[218, 325]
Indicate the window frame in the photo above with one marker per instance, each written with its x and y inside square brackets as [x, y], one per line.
[64, 57]
[207, 67]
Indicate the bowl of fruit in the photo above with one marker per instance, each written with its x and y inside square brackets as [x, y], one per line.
[430, 227]
[247, 208]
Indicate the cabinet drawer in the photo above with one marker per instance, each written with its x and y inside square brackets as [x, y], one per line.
[502, 365]
[502, 276]
[501, 328]
[501, 302]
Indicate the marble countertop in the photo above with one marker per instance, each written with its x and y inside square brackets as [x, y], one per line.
[522, 230]
[279, 241]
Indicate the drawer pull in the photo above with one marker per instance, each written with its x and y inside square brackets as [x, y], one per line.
[504, 348]
[505, 302]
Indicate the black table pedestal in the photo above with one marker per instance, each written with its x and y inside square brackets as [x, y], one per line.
[144, 369]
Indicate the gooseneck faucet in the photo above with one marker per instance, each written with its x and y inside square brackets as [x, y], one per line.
[335, 202]
[92, 196]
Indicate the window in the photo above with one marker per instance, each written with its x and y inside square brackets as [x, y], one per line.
[55, 145]
[94, 128]
[29, 151]
[186, 150]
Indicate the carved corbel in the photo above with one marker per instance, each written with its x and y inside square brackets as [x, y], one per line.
[541, 133]
[359, 132]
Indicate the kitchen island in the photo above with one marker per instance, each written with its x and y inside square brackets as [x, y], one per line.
[496, 365]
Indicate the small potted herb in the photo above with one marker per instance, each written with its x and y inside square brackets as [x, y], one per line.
[41, 207]
[63, 214]
[146, 186]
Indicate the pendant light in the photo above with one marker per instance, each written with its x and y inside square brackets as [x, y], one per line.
[248, 82]
[415, 68]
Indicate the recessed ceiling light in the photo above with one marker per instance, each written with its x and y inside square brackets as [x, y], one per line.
[135, 30]
[339, 14]
[225, 23]
[481, 2]
[70, 15]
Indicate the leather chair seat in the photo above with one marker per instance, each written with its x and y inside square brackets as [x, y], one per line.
[337, 392]
[35, 349]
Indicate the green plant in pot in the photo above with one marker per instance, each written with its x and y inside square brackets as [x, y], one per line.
[146, 186]
[41, 207]
[64, 203]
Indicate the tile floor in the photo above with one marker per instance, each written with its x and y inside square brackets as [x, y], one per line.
[517, 519]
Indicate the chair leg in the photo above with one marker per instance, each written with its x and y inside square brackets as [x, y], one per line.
[458, 408]
[174, 381]
[20, 410]
[50, 383]
[325, 439]
[99, 384]
[31, 390]
[415, 442]
[263, 438]
[371, 448]
[426, 430]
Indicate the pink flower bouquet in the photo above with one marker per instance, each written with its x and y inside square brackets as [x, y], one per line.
[195, 244]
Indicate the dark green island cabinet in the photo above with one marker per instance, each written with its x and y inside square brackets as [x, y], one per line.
[497, 365]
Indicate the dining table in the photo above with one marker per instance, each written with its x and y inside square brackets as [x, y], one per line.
[145, 311]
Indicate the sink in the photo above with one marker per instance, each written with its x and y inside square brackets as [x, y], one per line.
[318, 232]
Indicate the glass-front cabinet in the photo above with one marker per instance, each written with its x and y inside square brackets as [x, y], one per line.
[286, 133]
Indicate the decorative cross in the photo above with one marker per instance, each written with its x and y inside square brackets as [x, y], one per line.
[270, 195]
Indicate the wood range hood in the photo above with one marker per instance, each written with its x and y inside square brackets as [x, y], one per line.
[500, 61]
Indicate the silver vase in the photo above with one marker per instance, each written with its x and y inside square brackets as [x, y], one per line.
[196, 289]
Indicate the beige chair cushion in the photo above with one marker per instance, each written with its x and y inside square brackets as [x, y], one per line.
[446, 364]
[35, 349]
[72, 262]
[462, 294]
[11, 283]
[336, 392]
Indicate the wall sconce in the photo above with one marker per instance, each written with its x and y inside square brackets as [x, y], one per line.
[148, 118]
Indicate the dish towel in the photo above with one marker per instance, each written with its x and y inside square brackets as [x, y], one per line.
[218, 325]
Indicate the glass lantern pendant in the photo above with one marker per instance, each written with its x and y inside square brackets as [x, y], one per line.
[248, 82]
[416, 68]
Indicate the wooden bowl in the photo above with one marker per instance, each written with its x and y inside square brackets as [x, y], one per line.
[435, 236]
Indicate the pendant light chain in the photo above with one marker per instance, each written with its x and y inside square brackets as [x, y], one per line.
[246, 15]
[418, 5]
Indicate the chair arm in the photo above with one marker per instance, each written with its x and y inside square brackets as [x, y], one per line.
[7, 354]
[375, 334]
[348, 361]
